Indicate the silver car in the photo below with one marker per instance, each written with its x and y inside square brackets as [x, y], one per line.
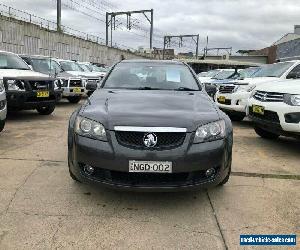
[3, 106]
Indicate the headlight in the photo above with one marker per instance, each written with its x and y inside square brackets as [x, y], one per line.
[210, 132]
[245, 87]
[293, 100]
[57, 84]
[16, 85]
[84, 81]
[1, 86]
[90, 128]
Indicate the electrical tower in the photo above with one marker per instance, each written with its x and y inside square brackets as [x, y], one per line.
[111, 22]
[167, 42]
[58, 16]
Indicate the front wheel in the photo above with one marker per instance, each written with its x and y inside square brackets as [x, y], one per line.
[46, 110]
[237, 117]
[265, 134]
[2, 124]
[74, 99]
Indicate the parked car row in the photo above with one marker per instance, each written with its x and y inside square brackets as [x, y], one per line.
[39, 82]
[269, 95]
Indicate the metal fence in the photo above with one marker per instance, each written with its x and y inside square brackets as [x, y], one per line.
[50, 25]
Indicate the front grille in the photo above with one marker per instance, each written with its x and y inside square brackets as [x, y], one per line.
[40, 85]
[93, 80]
[226, 89]
[165, 140]
[149, 179]
[75, 83]
[267, 116]
[268, 96]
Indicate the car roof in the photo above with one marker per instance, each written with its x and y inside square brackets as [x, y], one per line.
[7, 52]
[35, 56]
[153, 61]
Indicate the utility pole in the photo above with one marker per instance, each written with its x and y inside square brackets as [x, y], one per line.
[111, 22]
[58, 22]
[167, 42]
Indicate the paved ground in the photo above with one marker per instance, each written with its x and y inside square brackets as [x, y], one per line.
[42, 208]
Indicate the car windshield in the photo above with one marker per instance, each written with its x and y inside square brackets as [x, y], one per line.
[45, 65]
[70, 66]
[273, 70]
[11, 61]
[224, 74]
[151, 76]
[245, 73]
[212, 73]
[85, 67]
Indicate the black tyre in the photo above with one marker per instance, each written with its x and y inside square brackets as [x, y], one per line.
[237, 117]
[74, 99]
[265, 134]
[47, 110]
[2, 124]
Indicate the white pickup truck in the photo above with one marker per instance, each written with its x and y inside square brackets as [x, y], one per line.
[275, 109]
[233, 98]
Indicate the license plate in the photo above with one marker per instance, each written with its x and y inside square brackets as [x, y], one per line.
[77, 90]
[222, 99]
[150, 166]
[258, 109]
[42, 94]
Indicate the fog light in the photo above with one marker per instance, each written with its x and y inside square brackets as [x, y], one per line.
[210, 172]
[88, 170]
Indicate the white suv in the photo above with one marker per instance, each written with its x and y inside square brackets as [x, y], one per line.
[233, 98]
[275, 109]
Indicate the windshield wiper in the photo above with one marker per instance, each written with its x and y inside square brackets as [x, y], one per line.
[185, 89]
[147, 88]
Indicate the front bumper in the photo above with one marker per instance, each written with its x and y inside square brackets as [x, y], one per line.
[235, 102]
[70, 91]
[111, 162]
[27, 100]
[279, 122]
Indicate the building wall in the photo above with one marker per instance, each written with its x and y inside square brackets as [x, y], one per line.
[26, 38]
[288, 49]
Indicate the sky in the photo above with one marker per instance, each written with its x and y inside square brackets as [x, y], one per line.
[241, 24]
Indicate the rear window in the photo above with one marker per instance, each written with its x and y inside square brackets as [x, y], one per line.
[152, 76]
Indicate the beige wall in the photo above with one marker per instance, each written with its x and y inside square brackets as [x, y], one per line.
[26, 38]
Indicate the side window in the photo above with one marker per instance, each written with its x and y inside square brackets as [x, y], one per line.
[294, 73]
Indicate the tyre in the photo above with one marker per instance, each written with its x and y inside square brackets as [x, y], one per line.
[2, 124]
[74, 99]
[237, 117]
[47, 110]
[265, 134]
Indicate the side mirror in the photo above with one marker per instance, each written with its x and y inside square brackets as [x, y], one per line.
[91, 86]
[211, 90]
[293, 75]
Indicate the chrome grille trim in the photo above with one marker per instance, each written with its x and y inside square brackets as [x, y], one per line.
[150, 129]
[226, 89]
[264, 96]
